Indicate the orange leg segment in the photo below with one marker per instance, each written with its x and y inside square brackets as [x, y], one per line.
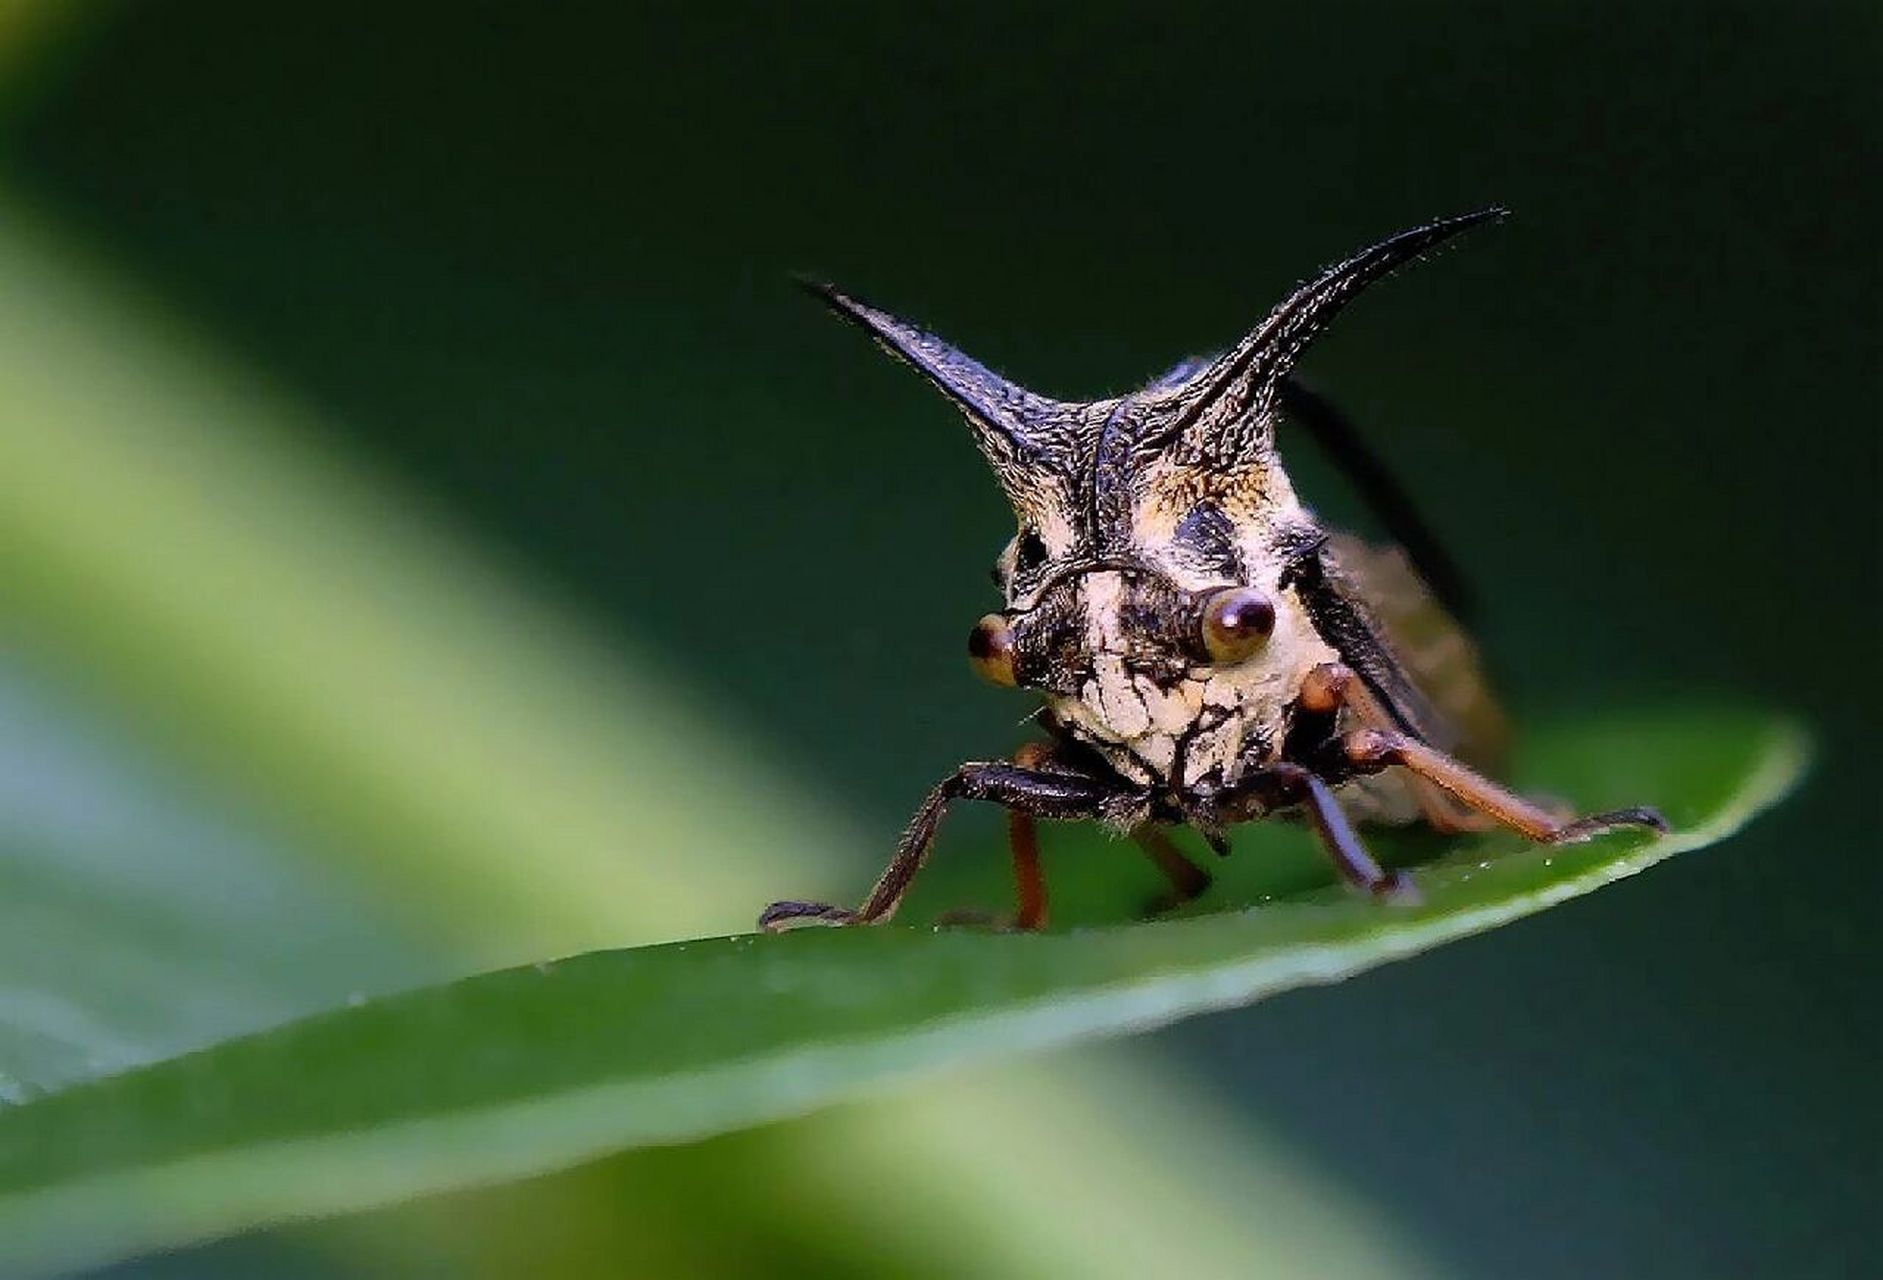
[1370, 750]
[1029, 885]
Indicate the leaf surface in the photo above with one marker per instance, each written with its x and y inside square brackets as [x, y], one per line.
[533, 1068]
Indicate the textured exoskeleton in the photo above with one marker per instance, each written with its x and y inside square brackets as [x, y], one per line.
[1206, 651]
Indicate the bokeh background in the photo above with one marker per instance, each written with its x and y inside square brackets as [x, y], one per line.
[426, 501]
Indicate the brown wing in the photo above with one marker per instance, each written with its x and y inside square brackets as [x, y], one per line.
[1432, 650]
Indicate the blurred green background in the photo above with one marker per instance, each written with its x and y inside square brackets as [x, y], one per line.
[510, 285]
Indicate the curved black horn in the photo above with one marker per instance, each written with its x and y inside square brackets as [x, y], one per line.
[1227, 410]
[1018, 430]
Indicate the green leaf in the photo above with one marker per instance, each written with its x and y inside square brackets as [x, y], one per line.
[538, 1067]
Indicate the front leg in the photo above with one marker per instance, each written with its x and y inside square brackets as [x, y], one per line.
[1027, 791]
[1285, 785]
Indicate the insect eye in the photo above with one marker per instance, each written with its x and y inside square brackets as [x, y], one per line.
[1236, 622]
[990, 650]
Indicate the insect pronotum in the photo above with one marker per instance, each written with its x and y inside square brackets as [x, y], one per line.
[1207, 652]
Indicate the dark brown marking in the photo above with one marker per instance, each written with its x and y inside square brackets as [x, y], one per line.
[1207, 538]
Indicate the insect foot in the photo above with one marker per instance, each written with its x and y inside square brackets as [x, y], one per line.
[782, 916]
[1600, 824]
[1397, 888]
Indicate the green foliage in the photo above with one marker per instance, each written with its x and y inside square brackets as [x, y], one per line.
[537, 1067]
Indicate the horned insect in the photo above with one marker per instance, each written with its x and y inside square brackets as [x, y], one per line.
[1207, 652]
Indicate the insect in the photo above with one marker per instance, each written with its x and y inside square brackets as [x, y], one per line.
[1206, 651]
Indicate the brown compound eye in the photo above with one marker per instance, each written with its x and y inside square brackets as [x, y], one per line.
[1236, 622]
[990, 650]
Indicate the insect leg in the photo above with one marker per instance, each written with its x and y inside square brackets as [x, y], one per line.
[1023, 840]
[1371, 750]
[1029, 885]
[1332, 687]
[1033, 792]
[1187, 880]
[1283, 784]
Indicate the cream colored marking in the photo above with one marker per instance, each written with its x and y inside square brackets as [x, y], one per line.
[1223, 688]
[1114, 700]
[1103, 595]
[1171, 712]
[1159, 751]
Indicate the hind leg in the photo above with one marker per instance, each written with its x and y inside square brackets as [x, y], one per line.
[1187, 879]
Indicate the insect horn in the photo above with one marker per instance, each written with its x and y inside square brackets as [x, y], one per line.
[1226, 412]
[1022, 433]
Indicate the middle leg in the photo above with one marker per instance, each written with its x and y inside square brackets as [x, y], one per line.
[1285, 785]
